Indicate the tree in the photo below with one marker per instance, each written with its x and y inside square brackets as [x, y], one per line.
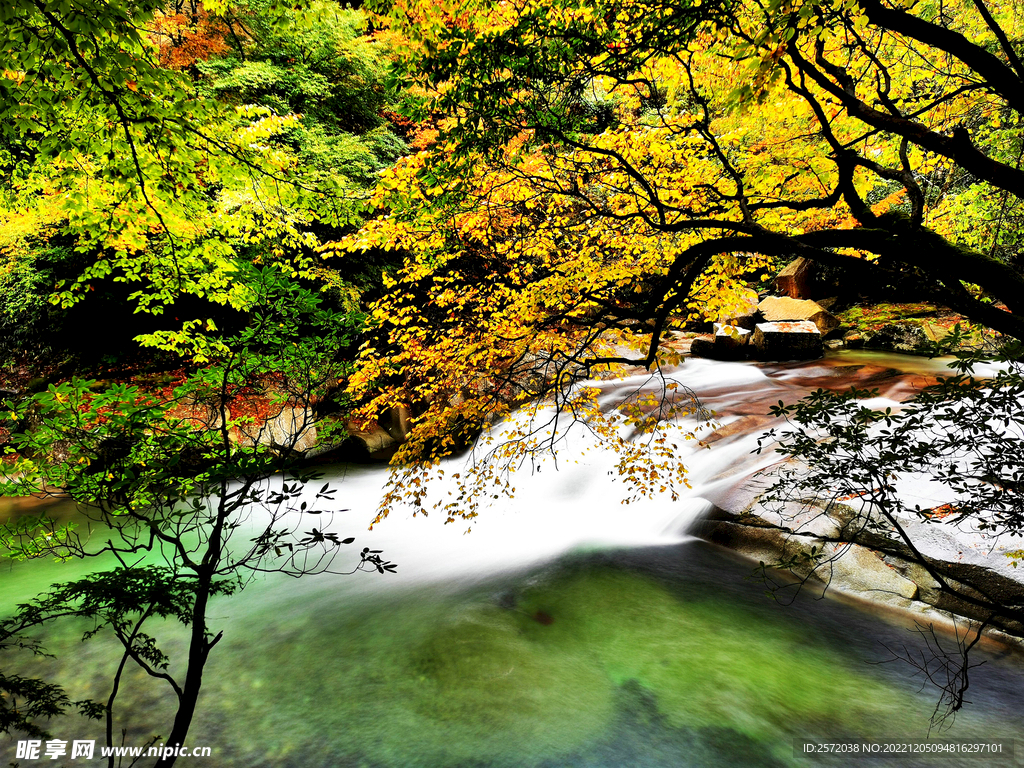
[153, 178]
[599, 169]
[497, 307]
[195, 488]
[604, 166]
[852, 134]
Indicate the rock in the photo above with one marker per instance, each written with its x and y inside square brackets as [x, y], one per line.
[853, 340]
[703, 346]
[741, 426]
[934, 331]
[799, 340]
[900, 337]
[730, 341]
[742, 312]
[857, 569]
[292, 428]
[396, 421]
[928, 589]
[867, 560]
[372, 437]
[738, 333]
[834, 344]
[776, 308]
[796, 280]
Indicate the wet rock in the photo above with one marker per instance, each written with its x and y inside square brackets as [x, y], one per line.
[703, 346]
[853, 340]
[730, 342]
[798, 340]
[372, 439]
[741, 426]
[853, 568]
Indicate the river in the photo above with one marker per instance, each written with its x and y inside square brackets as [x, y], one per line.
[564, 630]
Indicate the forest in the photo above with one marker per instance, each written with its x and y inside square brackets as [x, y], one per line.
[244, 243]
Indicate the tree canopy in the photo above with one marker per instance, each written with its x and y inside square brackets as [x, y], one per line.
[861, 135]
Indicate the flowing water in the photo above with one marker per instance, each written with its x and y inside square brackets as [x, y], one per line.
[565, 630]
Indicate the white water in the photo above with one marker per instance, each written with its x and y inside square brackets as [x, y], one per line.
[576, 505]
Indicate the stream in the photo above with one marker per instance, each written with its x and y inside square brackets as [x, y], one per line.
[566, 629]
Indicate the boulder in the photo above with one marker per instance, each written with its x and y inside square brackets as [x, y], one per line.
[730, 341]
[853, 340]
[797, 340]
[776, 308]
[369, 441]
[703, 346]
[396, 421]
[796, 280]
[292, 428]
[907, 338]
[856, 569]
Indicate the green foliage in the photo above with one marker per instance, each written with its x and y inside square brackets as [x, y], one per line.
[357, 158]
[168, 181]
[314, 61]
[27, 317]
[174, 474]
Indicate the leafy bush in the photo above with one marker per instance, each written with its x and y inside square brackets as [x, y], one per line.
[27, 319]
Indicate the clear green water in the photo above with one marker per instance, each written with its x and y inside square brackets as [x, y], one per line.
[655, 657]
